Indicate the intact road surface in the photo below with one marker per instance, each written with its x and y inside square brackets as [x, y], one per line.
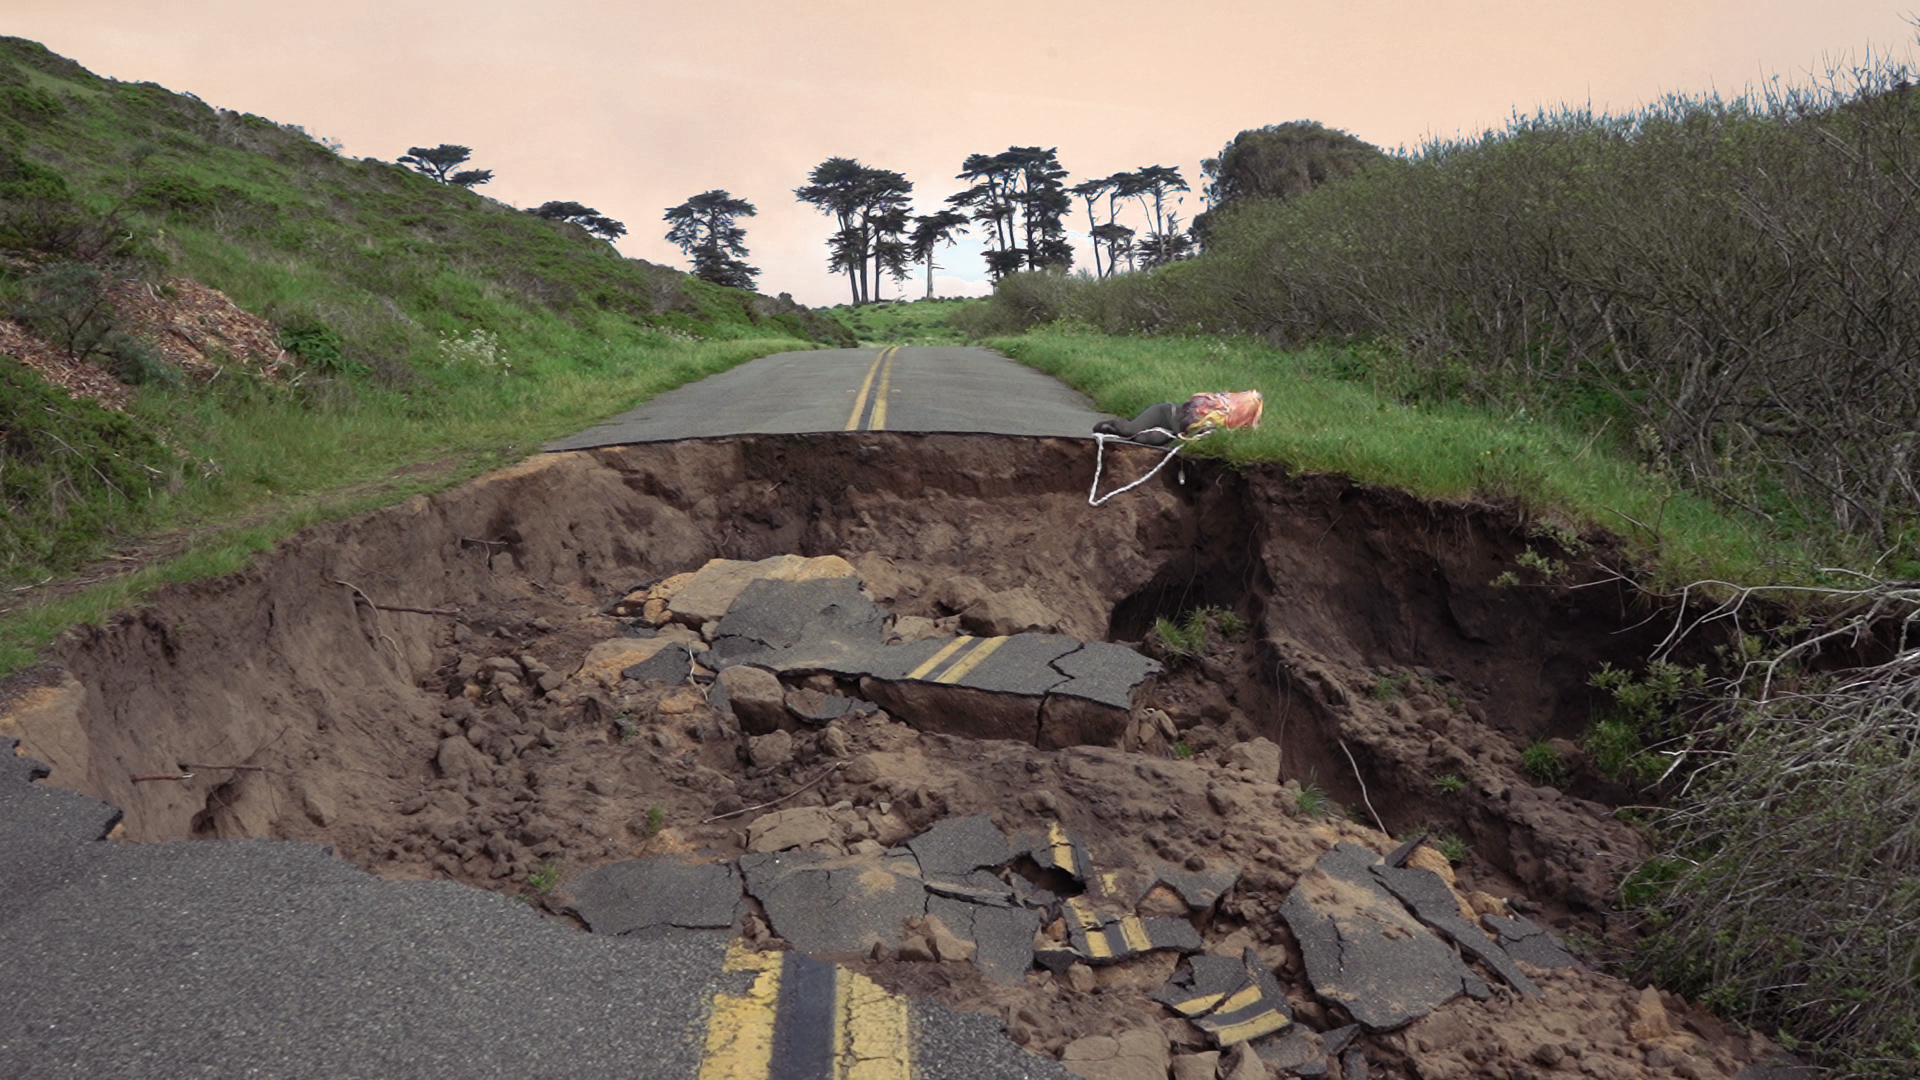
[892, 388]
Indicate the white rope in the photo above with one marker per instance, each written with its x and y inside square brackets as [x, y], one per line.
[1100, 453]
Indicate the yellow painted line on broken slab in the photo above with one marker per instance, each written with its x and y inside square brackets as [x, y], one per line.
[1098, 948]
[940, 657]
[1134, 933]
[1195, 1006]
[1062, 849]
[1264, 1024]
[970, 661]
[1239, 1001]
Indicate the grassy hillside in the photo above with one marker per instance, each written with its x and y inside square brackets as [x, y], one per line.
[406, 321]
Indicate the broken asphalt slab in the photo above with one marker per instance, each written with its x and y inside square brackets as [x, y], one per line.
[956, 847]
[1364, 950]
[1102, 937]
[1232, 999]
[1047, 689]
[831, 905]
[1529, 942]
[1003, 936]
[826, 614]
[639, 896]
[1433, 903]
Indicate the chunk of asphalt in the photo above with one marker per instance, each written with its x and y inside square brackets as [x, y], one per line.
[1104, 672]
[1353, 1064]
[1203, 984]
[1433, 903]
[1055, 850]
[1258, 1011]
[1363, 949]
[817, 707]
[670, 665]
[828, 905]
[979, 887]
[1104, 938]
[1021, 664]
[1405, 851]
[1003, 936]
[1201, 889]
[1296, 1051]
[956, 847]
[1232, 999]
[774, 616]
[1529, 942]
[1336, 1040]
[639, 896]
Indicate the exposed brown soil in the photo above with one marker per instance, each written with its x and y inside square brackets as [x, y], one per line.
[187, 323]
[408, 687]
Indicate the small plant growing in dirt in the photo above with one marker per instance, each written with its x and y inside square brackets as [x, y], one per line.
[628, 728]
[1450, 783]
[1191, 636]
[543, 878]
[1313, 801]
[1543, 765]
[1451, 848]
[1183, 750]
[1388, 686]
[656, 819]
[1540, 570]
[1645, 709]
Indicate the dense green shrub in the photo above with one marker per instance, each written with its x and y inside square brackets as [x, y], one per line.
[69, 470]
[1788, 895]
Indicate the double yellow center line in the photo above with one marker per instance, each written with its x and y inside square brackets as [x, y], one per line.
[959, 657]
[801, 1019]
[870, 406]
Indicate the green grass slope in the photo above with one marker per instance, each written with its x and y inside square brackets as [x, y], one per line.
[425, 322]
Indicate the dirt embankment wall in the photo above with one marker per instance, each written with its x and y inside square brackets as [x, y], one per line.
[292, 663]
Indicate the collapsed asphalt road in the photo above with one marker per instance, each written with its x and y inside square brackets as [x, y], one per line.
[517, 686]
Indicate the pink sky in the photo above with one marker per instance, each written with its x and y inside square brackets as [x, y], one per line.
[632, 107]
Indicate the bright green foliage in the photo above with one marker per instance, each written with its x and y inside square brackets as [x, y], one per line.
[1544, 765]
[70, 472]
[1450, 783]
[543, 878]
[656, 819]
[1646, 712]
[1452, 848]
[922, 322]
[1191, 636]
[1313, 801]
